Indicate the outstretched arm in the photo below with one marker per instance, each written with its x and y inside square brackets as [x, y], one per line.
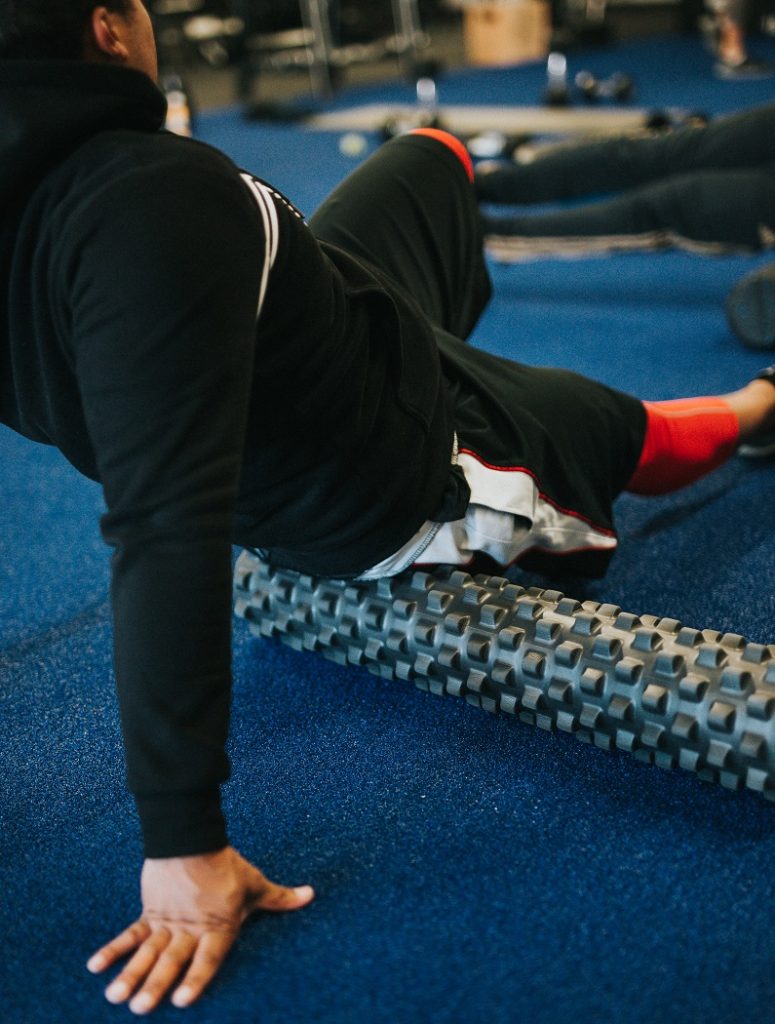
[162, 287]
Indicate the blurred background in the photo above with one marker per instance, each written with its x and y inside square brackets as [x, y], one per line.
[266, 53]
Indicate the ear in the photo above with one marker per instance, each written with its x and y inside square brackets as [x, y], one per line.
[105, 36]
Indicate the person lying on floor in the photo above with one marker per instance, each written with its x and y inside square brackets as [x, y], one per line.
[708, 188]
[232, 374]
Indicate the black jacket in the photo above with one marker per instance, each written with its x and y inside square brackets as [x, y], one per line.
[132, 266]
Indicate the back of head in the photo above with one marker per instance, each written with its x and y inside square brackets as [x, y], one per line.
[47, 29]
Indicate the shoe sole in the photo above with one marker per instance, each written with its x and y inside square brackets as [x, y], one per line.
[752, 451]
[751, 311]
[734, 76]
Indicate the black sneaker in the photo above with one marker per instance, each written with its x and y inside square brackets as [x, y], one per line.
[746, 70]
[751, 308]
[762, 447]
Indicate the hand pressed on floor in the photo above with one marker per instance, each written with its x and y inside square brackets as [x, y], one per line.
[193, 908]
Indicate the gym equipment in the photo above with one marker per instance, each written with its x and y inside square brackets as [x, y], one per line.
[580, 23]
[472, 120]
[180, 118]
[556, 93]
[425, 76]
[320, 38]
[331, 36]
[618, 87]
[671, 117]
[669, 694]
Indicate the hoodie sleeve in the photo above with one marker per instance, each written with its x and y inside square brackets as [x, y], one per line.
[163, 285]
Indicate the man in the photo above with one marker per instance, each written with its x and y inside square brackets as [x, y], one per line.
[228, 373]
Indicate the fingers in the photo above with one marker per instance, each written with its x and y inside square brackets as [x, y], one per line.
[135, 972]
[210, 953]
[159, 962]
[164, 973]
[124, 943]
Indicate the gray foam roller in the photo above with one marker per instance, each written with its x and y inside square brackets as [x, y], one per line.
[668, 694]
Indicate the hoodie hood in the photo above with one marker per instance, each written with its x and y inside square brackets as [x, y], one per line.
[49, 108]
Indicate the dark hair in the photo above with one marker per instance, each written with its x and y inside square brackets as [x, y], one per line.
[47, 29]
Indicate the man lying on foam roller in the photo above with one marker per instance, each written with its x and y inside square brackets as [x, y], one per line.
[230, 374]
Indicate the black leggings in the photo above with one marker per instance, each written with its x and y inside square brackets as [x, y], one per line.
[410, 210]
[713, 185]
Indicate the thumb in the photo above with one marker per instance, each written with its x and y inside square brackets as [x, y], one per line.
[266, 895]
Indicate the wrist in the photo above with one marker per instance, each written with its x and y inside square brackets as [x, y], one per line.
[182, 825]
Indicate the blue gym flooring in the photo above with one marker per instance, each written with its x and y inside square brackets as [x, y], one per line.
[469, 868]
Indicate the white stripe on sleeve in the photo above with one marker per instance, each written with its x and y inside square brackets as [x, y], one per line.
[266, 207]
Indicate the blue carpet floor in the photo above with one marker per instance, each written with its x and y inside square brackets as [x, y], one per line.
[469, 868]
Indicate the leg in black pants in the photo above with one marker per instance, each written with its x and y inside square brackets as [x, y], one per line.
[411, 210]
[712, 209]
[708, 184]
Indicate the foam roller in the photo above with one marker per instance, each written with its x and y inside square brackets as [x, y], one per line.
[669, 694]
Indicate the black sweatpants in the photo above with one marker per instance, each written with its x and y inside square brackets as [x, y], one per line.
[565, 445]
[713, 186]
[410, 210]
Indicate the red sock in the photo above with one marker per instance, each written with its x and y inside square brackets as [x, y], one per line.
[454, 144]
[685, 439]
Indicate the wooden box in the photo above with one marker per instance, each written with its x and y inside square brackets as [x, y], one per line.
[505, 31]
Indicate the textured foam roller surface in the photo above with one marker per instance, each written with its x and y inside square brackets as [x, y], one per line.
[669, 694]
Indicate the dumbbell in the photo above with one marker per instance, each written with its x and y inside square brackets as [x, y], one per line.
[618, 87]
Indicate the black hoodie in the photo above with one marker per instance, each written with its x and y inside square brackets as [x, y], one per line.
[133, 264]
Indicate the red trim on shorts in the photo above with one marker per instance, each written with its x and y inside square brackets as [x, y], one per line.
[544, 497]
[452, 143]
